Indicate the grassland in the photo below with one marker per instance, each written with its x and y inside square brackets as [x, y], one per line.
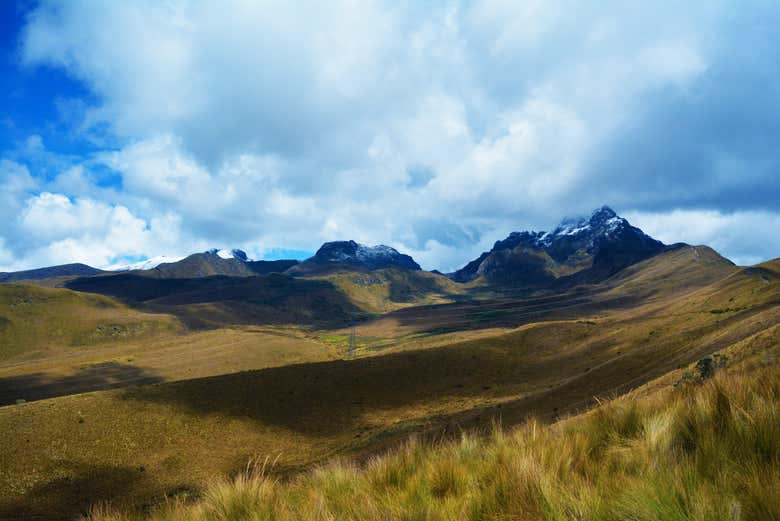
[429, 370]
[706, 451]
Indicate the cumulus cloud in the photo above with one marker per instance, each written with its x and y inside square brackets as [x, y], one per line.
[745, 236]
[60, 230]
[435, 128]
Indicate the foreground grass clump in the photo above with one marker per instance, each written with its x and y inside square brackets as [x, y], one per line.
[708, 451]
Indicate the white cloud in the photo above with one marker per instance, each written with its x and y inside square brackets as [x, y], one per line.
[745, 237]
[433, 128]
[61, 230]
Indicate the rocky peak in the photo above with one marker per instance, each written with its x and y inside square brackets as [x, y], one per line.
[371, 257]
[602, 239]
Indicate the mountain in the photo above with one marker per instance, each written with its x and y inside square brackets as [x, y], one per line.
[578, 250]
[232, 263]
[337, 255]
[64, 270]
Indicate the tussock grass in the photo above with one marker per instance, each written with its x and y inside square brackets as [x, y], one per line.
[709, 451]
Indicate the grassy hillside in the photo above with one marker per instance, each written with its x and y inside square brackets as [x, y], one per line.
[384, 290]
[37, 321]
[166, 357]
[706, 451]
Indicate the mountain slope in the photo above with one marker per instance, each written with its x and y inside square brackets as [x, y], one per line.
[386, 289]
[36, 320]
[64, 270]
[579, 250]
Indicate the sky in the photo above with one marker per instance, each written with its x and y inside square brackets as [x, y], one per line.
[130, 130]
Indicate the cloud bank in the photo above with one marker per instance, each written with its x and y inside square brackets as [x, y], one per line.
[434, 128]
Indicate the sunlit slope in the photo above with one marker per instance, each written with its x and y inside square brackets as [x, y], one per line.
[384, 290]
[36, 321]
[166, 358]
[673, 272]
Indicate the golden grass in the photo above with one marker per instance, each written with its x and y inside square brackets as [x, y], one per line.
[706, 452]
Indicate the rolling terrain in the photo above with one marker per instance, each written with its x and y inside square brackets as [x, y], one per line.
[420, 369]
[706, 448]
[142, 385]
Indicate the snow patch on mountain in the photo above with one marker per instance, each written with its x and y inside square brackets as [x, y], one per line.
[229, 254]
[372, 257]
[146, 264]
[381, 251]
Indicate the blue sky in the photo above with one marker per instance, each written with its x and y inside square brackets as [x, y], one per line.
[136, 129]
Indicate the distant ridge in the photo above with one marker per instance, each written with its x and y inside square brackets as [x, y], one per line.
[233, 263]
[63, 270]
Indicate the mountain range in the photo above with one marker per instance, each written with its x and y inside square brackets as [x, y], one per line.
[581, 250]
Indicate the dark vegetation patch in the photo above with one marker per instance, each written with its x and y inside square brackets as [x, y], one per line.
[107, 375]
[209, 302]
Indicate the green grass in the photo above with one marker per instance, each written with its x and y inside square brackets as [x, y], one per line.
[706, 452]
[384, 290]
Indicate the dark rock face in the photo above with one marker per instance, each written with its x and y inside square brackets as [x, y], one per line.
[585, 249]
[350, 253]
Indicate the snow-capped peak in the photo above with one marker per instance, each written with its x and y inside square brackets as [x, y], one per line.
[146, 264]
[229, 254]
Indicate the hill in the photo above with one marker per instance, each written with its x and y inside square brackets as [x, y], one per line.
[36, 321]
[386, 289]
[64, 270]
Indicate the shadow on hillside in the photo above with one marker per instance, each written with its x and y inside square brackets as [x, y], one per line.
[212, 302]
[108, 375]
[327, 398]
[81, 485]
[509, 312]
